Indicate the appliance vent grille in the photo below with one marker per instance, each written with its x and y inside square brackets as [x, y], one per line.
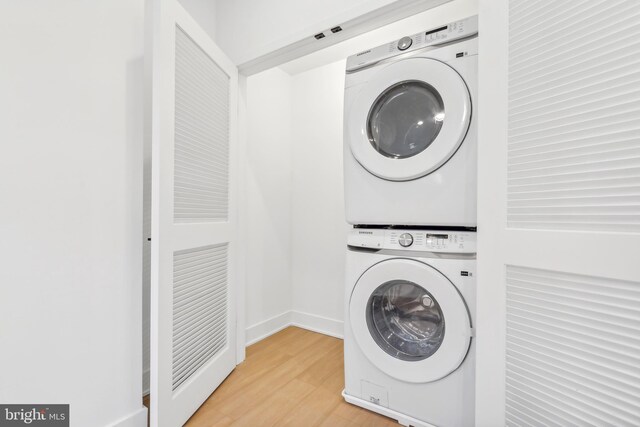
[572, 349]
[199, 308]
[201, 156]
[574, 109]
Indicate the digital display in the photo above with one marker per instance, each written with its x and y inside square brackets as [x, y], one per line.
[437, 236]
[436, 30]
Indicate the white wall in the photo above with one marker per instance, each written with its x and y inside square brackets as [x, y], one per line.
[71, 191]
[204, 13]
[319, 229]
[293, 201]
[267, 204]
[294, 209]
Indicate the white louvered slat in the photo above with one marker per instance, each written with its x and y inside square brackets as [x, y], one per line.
[201, 152]
[574, 109]
[573, 349]
[199, 308]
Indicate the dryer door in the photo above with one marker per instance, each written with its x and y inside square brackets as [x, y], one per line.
[410, 320]
[409, 119]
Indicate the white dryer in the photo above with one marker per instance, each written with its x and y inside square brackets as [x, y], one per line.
[410, 149]
[408, 339]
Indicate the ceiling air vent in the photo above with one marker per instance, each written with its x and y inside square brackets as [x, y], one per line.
[336, 29]
[319, 36]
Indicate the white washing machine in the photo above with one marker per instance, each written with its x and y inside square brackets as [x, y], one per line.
[410, 130]
[408, 339]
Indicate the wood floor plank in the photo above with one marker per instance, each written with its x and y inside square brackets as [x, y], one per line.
[312, 410]
[362, 417]
[237, 404]
[209, 419]
[325, 368]
[335, 383]
[292, 378]
[269, 411]
[246, 374]
[333, 420]
[274, 340]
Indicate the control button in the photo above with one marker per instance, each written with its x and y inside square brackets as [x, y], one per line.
[406, 240]
[405, 43]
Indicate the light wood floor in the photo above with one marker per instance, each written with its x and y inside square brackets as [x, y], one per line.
[292, 378]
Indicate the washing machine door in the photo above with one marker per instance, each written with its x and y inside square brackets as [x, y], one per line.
[409, 119]
[410, 321]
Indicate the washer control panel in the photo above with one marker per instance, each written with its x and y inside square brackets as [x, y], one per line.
[413, 240]
[436, 36]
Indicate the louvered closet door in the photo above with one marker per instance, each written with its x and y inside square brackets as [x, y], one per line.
[559, 213]
[193, 312]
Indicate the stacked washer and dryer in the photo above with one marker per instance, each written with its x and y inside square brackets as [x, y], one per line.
[410, 157]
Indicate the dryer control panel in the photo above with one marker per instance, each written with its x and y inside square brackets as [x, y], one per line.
[436, 36]
[414, 240]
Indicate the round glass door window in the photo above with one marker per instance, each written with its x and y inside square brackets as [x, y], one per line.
[405, 119]
[405, 320]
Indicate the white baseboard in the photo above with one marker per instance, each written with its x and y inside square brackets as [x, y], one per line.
[311, 322]
[135, 419]
[268, 327]
[320, 324]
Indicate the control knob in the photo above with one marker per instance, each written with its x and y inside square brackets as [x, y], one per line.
[405, 240]
[405, 43]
